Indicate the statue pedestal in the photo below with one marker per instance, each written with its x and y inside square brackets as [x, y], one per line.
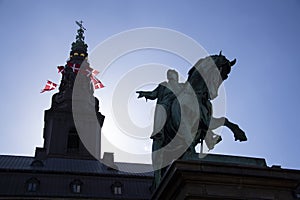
[227, 177]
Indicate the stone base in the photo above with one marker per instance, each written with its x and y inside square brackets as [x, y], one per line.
[228, 177]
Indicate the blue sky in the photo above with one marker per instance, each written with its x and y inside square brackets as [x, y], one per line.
[261, 92]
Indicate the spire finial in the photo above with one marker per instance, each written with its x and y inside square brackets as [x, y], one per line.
[80, 31]
[79, 48]
[80, 25]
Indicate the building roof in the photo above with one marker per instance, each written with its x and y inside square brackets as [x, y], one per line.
[55, 176]
[67, 165]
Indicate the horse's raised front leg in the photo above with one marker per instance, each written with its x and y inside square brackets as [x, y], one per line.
[238, 133]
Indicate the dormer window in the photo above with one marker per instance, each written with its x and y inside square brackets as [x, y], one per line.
[32, 185]
[76, 186]
[117, 188]
[37, 163]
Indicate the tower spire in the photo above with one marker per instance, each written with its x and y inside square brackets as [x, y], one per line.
[79, 47]
[74, 110]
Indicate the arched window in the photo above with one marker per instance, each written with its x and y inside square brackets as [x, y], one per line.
[76, 186]
[117, 188]
[73, 141]
[32, 185]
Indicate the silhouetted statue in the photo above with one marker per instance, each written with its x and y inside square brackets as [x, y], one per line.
[165, 93]
[183, 115]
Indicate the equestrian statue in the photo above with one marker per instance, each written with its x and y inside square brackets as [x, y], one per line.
[183, 114]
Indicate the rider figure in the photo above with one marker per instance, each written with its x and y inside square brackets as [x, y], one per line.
[165, 93]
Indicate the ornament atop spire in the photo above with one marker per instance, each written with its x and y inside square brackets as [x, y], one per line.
[79, 48]
[80, 31]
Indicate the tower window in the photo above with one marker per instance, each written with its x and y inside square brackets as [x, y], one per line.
[73, 141]
[32, 185]
[76, 186]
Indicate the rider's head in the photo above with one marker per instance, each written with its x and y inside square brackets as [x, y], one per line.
[172, 75]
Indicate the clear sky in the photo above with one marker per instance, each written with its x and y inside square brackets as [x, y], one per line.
[261, 91]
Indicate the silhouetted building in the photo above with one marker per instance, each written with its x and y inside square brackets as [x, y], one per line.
[228, 177]
[68, 165]
[68, 178]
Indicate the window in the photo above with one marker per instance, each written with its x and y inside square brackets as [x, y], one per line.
[32, 185]
[76, 186]
[73, 141]
[37, 163]
[117, 188]
[297, 192]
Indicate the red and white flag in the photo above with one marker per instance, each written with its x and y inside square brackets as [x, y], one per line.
[97, 83]
[61, 69]
[88, 71]
[75, 67]
[91, 72]
[49, 86]
[95, 72]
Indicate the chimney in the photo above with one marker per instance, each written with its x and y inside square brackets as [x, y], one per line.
[108, 160]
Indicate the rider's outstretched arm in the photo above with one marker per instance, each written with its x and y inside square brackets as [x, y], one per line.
[149, 94]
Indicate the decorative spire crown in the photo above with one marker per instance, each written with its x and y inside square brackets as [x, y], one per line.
[79, 48]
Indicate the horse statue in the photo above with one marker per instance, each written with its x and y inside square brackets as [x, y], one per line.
[187, 113]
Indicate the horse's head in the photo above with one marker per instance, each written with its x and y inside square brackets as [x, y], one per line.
[223, 65]
[208, 74]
